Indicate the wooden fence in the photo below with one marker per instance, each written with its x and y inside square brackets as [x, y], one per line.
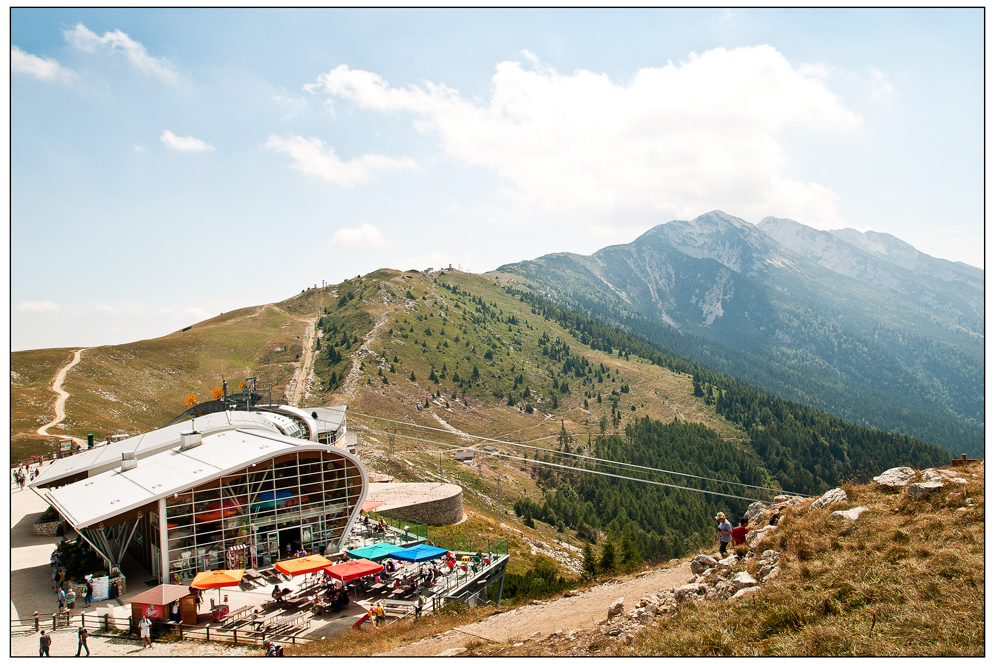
[107, 625]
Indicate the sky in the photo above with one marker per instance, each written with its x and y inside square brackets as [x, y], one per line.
[170, 165]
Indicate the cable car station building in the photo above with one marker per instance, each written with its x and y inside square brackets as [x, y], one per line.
[226, 490]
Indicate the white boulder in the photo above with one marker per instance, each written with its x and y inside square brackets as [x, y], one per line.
[895, 477]
[850, 515]
[831, 497]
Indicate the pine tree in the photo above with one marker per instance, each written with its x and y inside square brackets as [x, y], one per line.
[589, 568]
[607, 563]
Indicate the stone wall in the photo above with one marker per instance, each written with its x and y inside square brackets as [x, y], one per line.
[442, 512]
[45, 529]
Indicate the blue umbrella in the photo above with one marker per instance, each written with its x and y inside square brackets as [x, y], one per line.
[419, 553]
[375, 552]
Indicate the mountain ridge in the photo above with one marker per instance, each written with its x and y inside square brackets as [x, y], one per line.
[742, 294]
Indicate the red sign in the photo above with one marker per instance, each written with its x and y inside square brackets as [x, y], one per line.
[152, 610]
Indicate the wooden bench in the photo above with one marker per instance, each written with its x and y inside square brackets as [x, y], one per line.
[260, 621]
[291, 622]
[237, 616]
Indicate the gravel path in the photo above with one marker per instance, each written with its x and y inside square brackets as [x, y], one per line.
[64, 644]
[582, 611]
[60, 402]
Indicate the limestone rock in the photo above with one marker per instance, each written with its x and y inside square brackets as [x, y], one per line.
[754, 536]
[755, 511]
[536, 634]
[831, 497]
[616, 607]
[851, 514]
[724, 590]
[688, 591]
[745, 591]
[743, 580]
[452, 652]
[729, 561]
[932, 476]
[958, 480]
[923, 489]
[702, 562]
[895, 477]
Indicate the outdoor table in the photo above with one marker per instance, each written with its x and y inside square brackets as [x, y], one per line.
[262, 619]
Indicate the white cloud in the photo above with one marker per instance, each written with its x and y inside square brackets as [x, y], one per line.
[672, 142]
[881, 88]
[39, 307]
[47, 69]
[196, 313]
[118, 42]
[185, 143]
[311, 157]
[367, 235]
[293, 106]
[104, 309]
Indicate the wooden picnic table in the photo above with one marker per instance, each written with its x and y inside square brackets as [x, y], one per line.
[237, 615]
[261, 620]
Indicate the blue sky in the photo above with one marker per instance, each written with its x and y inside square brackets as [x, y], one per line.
[169, 165]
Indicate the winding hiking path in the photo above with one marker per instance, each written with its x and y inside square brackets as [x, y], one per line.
[580, 612]
[352, 380]
[60, 402]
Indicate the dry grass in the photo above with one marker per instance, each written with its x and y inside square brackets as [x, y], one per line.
[369, 641]
[905, 579]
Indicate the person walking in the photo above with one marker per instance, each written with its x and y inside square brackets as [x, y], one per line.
[739, 533]
[88, 593]
[725, 533]
[81, 634]
[44, 643]
[71, 601]
[145, 630]
[62, 598]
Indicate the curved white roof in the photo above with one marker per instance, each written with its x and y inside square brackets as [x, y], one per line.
[114, 492]
[108, 457]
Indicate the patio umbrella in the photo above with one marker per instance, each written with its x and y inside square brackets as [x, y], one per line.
[419, 553]
[304, 565]
[353, 569]
[217, 578]
[375, 552]
[370, 505]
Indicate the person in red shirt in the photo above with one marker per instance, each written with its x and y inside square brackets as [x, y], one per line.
[739, 533]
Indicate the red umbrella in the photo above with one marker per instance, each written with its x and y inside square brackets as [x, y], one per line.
[370, 505]
[353, 569]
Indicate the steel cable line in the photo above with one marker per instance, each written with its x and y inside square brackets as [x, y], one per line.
[579, 456]
[577, 468]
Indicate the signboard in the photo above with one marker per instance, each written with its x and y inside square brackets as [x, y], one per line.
[101, 590]
[152, 610]
[65, 446]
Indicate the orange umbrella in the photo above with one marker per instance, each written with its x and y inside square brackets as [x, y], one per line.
[304, 565]
[217, 578]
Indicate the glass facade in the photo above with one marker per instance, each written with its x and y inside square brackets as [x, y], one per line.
[258, 515]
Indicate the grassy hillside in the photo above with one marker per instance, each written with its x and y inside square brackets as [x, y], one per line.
[136, 387]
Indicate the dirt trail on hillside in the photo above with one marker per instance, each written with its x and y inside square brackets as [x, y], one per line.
[352, 380]
[60, 402]
[302, 375]
[580, 612]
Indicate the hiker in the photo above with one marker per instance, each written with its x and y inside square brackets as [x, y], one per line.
[88, 593]
[145, 628]
[739, 533]
[81, 634]
[44, 643]
[725, 533]
[419, 603]
[378, 615]
[62, 597]
[71, 601]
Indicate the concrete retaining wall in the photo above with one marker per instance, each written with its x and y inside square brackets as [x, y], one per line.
[442, 512]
